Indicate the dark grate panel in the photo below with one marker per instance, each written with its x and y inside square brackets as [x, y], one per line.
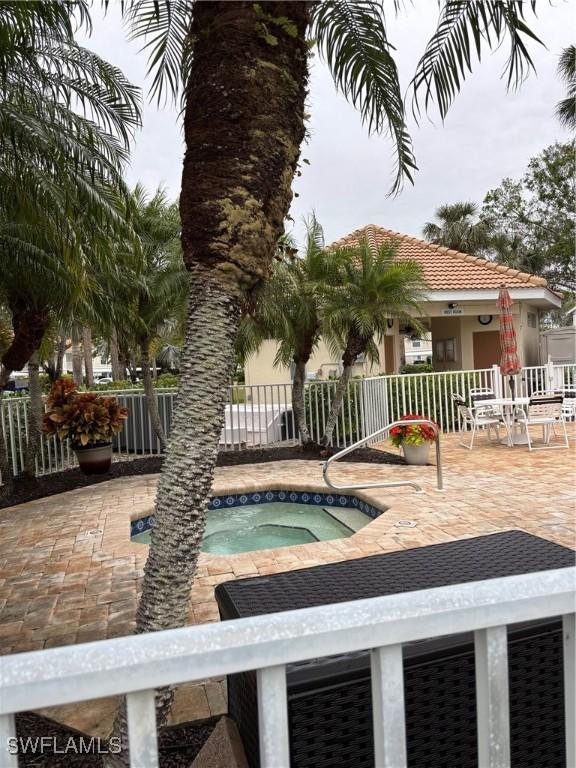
[456, 562]
[330, 699]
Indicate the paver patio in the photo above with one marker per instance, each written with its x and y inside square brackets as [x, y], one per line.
[69, 573]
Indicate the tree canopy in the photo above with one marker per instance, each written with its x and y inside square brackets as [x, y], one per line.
[457, 226]
[532, 220]
[66, 118]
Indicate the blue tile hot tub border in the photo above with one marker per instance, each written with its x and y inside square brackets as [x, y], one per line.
[313, 498]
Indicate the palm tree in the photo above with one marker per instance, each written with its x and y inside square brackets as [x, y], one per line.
[288, 310]
[60, 167]
[373, 287]
[457, 227]
[160, 286]
[242, 69]
[566, 109]
[66, 117]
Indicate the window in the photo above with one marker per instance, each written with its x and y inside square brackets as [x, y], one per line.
[445, 350]
[416, 344]
[532, 320]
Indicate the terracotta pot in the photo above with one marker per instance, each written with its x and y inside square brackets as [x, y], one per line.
[416, 454]
[94, 460]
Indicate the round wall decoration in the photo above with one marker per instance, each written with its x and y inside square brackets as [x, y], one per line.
[484, 319]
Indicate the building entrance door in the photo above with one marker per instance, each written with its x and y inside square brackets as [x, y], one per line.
[486, 346]
[388, 354]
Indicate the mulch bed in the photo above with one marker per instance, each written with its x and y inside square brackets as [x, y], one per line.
[178, 745]
[24, 489]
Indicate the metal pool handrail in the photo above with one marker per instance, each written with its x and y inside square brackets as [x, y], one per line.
[396, 483]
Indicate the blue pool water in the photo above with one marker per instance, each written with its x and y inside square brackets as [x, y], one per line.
[275, 524]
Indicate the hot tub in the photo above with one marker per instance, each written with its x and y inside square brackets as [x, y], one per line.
[267, 519]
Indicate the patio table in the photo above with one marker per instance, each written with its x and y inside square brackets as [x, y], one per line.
[516, 432]
[329, 699]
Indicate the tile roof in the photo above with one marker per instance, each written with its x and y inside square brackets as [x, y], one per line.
[445, 269]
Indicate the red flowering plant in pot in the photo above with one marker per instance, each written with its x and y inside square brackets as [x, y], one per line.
[88, 420]
[414, 439]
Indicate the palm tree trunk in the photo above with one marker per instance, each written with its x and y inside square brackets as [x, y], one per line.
[185, 486]
[298, 401]
[60, 352]
[35, 413]
[336, 406]
[5, 373]
[117, 374]
[243, 126]
[151, 396]
[355, 345]
[87, 349]
[76, 356]
[29, 326]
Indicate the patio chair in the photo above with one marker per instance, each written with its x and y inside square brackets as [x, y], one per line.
[568, 402]
[476, 418]
[478, 394]
[481, 393]
[545, 411]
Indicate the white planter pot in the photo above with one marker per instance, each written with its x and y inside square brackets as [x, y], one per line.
[416, 454]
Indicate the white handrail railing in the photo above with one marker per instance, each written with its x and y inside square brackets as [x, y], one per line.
[136, 665]
[373, 436]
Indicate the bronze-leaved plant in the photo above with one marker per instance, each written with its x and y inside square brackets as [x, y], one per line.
[85, 418]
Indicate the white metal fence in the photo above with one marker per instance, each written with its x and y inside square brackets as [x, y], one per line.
[134, 666]
[261, 415]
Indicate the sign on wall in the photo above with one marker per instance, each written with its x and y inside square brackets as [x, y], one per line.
[453, 311]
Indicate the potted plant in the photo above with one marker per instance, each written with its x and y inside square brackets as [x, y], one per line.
[414, 439]
[88, 420]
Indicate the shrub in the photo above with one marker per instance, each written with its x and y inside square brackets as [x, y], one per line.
[112, 385]
[317, 400]
[237, 395]
[167, 380]
[85, 418]
[429, 393]
[417, 368]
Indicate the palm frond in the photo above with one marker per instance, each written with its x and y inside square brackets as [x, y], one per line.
[566, 109]
[464, 30]
[164, 25]
[351, 35]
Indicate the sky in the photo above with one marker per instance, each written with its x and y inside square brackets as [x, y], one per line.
[490, 133]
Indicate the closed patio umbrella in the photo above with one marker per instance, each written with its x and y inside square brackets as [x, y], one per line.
[509, 362]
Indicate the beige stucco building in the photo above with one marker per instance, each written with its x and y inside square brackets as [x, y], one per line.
[460, 312]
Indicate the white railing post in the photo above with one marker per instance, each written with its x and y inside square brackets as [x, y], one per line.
[569, 634]
[388, 707]
[273, 717]
[142, 738]
[491, 655]
[8, 751]
[496, 381]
